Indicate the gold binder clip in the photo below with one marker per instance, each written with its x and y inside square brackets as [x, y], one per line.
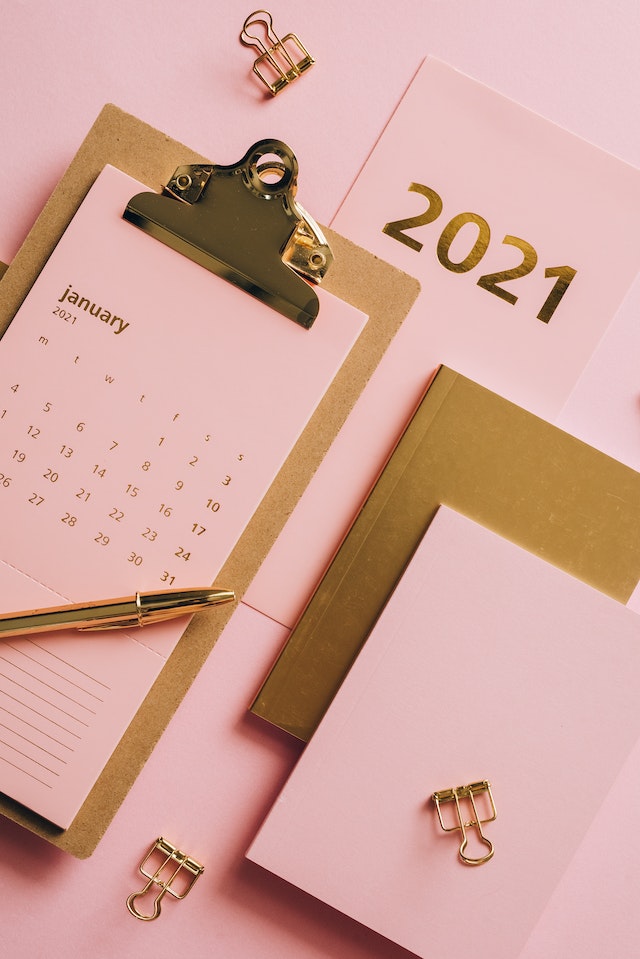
[175, 874]
[468, 794]
[243, 223]
[284, 59]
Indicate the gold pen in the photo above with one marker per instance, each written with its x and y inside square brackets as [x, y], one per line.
[128, 611]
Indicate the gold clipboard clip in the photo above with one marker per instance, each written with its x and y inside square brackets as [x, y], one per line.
[284, 60]
[468, 794]
[167, 877]
[243, 223]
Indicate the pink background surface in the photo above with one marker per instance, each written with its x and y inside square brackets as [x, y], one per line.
[185, 72]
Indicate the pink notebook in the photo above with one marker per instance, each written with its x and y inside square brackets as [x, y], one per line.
[145, 408]
[487, 663]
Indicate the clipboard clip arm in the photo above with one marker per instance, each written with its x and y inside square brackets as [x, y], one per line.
[243, 223]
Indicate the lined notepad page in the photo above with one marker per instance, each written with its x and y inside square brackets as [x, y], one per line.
[145, 407]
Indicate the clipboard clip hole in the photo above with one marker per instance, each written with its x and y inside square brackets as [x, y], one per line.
[183, 181]
[270, 170]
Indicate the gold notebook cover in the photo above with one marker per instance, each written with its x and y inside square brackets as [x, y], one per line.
[381, 291]
[503, 467]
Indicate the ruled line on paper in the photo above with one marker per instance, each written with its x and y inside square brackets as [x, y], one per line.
[47, 704]
[70, 666]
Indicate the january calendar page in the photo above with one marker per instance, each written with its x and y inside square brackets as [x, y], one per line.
[145, 408]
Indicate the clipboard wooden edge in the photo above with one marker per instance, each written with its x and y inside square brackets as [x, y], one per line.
[383, 292]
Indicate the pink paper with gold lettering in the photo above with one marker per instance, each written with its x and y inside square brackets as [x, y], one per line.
[493, 190]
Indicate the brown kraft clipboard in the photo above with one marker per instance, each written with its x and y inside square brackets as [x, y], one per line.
[381, 291]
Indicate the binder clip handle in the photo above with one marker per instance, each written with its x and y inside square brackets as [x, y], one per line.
[265, 20]
[475, 860]
[155, 911]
